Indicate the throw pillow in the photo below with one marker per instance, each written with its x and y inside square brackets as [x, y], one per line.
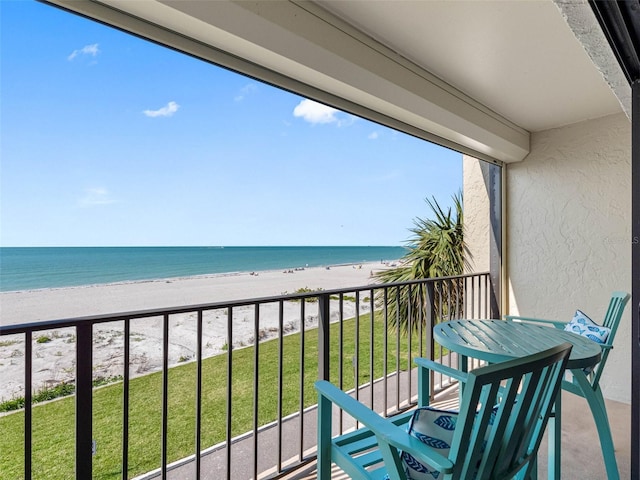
[583, 325]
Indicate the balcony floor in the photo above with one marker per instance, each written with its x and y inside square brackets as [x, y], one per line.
[581, 456]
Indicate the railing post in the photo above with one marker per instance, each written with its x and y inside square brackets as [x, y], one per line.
[323, 336]
[28, 412]
[84, 401]
[426, 392]
[429, 317]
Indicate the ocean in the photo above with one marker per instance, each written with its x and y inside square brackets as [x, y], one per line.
[29, 268]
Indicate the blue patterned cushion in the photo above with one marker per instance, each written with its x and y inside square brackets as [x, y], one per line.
[583, 325]
[435, 428]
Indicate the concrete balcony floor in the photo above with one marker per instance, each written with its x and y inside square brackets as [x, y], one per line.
[581, 455]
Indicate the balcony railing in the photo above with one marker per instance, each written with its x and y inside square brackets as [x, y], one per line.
[249, 409]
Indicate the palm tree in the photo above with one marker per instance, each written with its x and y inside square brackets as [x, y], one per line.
[437, 249]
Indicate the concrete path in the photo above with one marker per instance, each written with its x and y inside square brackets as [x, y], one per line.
[299, 439]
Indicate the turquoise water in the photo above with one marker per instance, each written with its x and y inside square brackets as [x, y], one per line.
[27, 268]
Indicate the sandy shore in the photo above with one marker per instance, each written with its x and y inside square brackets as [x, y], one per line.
[54, 356]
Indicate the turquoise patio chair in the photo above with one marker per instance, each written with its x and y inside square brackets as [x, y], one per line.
[496, 434]
[589, 382]
[611, 321]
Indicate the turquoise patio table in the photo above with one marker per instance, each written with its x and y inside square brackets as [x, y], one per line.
[498, 340]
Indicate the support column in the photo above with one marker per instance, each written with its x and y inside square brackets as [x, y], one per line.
[495, 240]
[635, 282]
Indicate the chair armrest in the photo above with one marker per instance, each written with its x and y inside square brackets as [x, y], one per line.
[440, 368]
[399, 438]
[383, 429]
[555, 323]
[353, 407]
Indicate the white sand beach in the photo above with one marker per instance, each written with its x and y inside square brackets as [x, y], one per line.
[54, 356]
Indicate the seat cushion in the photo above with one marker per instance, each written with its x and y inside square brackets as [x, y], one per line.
[435, 428]
[583, 325]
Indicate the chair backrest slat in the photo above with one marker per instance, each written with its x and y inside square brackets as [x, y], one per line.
[505, 410]
[612, 321]
[614, 312]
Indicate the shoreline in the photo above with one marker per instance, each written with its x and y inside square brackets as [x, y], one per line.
[54, 360]
[27, 306]
[199, 276]
[125, 282]
[41, 268]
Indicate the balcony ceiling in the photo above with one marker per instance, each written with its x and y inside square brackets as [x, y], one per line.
[519, 58]
[480, 75]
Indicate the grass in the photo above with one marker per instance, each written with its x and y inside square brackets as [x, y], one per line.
[53, 423]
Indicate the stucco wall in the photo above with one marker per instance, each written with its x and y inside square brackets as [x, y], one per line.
[569, 230]
[476, 214]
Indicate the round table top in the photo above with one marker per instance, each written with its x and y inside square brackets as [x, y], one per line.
[501, 340]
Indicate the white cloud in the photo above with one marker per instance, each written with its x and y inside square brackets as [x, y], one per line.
[373, 136]
[92, 50]
[96, 196]
[317, 113]
[246, 91]
[167, 111]
[314, 112]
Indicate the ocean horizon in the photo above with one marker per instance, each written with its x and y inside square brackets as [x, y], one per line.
[31, 268]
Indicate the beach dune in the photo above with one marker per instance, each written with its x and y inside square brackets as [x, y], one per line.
[54, 351]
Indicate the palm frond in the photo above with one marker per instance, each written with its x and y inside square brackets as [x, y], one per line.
[435, 249]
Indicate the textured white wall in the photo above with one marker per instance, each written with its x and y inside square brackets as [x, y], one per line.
[569, 230]
[476, 214]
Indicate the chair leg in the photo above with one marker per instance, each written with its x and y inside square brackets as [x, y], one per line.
[599, 411]
[424, 387]
[324, 438]
[392, 461]
[604, 432]
[554, 432]
[463, 364]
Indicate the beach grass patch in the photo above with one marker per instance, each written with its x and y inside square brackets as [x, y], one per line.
[57, 391]
[304, 290]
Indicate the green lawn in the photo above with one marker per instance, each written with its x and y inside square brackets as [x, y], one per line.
[53, 423]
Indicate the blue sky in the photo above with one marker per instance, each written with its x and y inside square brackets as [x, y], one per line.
[111, 140]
